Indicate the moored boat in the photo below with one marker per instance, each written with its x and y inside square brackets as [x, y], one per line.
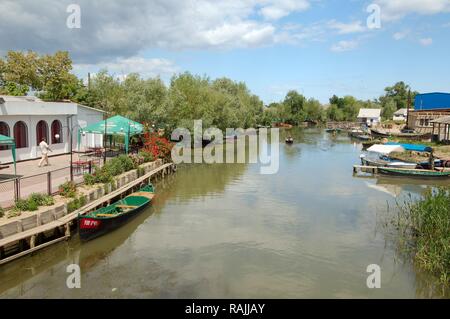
[414, 173]
[411, 136]
[387, 162]
[106, 219]
[289, 140]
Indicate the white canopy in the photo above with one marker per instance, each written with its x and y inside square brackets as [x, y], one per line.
[385, 149]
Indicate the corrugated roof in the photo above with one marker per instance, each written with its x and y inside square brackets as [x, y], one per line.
[369, 113]
[432, 101]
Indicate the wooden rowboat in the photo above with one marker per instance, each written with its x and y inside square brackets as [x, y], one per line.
[414, 173]
[106, 219]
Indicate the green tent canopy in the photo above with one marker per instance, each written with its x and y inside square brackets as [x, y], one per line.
[9, 141]
[116, 125]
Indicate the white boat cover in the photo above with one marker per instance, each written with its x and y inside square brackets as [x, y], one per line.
[385, 149]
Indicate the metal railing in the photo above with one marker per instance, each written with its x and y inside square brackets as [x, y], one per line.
[14, 189]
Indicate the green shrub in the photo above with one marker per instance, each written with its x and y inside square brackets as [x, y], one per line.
[2, 212]
[89, 179]
[76, 203]
[68, 189]
[147, 156]
[41, 199]
[33, 202]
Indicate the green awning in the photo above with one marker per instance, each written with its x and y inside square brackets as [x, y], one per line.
[9, 141]
[116, 125]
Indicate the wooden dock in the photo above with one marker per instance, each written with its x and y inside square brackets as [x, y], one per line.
[63, 224]
[365, 169]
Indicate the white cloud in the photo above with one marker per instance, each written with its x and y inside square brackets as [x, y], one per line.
[278, 9]
[346, 28]
[121, 67]
[400, 35]
[426, 41]
[113, 29]
[397, 9]
[344, 45]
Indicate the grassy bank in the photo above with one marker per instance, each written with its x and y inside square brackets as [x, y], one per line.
[424, 229]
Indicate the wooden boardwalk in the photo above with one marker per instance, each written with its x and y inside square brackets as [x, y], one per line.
[66, 221]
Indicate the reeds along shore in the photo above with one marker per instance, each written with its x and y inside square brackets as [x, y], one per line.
[424, 232]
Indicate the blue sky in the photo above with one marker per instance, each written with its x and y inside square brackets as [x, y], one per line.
[318, 47]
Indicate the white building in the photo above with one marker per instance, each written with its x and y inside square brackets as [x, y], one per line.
[370, 117]
[29, 119]
[401, 115]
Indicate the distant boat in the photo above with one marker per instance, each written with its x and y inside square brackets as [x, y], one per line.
[363, 137]
[106, 219]
[414, 173]
[333, 130]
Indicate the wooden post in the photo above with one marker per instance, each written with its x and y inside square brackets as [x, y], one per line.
[67, 234]
[49, 183]
[33, 241]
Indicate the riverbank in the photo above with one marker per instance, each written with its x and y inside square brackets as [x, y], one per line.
[22, 235]
[423, 229]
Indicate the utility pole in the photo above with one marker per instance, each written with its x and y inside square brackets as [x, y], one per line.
[407, 108]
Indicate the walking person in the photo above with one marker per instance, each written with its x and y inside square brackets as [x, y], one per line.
[44, 152]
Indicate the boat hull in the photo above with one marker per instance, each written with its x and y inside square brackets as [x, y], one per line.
[411, 173]
[409, 136]
[90, 228]
[367, 162]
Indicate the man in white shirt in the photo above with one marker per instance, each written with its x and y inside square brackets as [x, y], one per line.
[44, 152]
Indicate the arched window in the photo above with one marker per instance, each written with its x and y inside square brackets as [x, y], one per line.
[4, 130]
[21, 134]
[56, 132]
[41, 132]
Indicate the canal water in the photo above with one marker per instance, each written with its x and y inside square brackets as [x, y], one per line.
[226, 231]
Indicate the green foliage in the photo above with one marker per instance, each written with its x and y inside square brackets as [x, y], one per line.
[33, 202]
[147, 156]
[424, 228]
[89, 179]
[398, 95]
[112, 168]
[48, 74]
[2, 212]
[68, 189]
[76, 203]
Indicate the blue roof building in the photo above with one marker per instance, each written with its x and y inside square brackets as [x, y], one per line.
[432, 102]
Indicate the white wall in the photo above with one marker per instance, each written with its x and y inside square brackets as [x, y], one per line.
[32, 151]
[84, 117]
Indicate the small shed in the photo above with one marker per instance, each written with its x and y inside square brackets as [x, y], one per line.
[370, 117]
[441, 129]
[401, 114]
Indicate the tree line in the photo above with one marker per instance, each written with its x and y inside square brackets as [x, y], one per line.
[218, 102]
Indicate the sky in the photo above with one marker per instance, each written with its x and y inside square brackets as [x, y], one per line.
[317, 47]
